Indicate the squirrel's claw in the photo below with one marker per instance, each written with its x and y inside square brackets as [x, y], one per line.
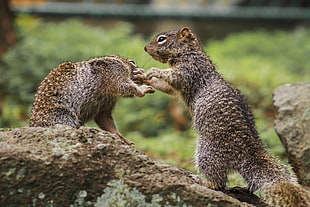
[147, 89]
[124, 139]
[138, 76]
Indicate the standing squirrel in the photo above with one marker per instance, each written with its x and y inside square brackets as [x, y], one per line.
[228, 139]
[74, 93]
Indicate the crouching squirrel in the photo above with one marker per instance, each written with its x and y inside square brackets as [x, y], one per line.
[228, 139]
[74, 93]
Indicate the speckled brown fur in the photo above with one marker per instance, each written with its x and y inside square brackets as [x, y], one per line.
[228, 139]
[74, 93]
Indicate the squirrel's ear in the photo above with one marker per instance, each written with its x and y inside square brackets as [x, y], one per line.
[184, 34]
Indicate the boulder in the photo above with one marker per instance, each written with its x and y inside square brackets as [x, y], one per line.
[293, 126]
[62, 166]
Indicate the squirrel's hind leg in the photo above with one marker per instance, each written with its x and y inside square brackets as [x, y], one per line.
[105, 121]
[214, 171]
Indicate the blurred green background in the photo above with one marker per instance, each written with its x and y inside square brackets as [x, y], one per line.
[256, 62]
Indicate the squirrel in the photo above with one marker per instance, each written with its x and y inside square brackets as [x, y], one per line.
[228, 138]
[74, 93]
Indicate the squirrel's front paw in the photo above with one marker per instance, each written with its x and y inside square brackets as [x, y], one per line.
[161, 85]
[138, 76]
[153, 72]
[146, 89]
[153, 82]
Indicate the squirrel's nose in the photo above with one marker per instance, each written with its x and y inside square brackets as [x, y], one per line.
[145, 49]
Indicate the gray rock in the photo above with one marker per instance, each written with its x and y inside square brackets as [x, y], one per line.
[293, 126]
[62, 166]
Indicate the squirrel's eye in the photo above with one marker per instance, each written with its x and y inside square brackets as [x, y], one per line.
[133, 63]
[161, 39]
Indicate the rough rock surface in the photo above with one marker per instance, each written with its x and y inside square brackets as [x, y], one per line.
[293, 126]
[62, 166]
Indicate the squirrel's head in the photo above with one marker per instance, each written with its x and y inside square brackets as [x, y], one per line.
[132, 70]
[112, 65]
[170, 44]
[129, 64]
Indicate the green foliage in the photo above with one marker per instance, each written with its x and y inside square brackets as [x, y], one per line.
[258, 62]
[147, 115]
[173, 147]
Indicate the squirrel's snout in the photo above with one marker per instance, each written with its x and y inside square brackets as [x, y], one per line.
[145, 49]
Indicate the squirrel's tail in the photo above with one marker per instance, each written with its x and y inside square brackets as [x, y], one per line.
[287, 194]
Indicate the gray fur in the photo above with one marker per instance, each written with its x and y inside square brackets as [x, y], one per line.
[228, 139]
[74, 93]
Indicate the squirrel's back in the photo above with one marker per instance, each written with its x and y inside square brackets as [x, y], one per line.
[73, 93]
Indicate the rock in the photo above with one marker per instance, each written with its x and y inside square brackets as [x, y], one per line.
[293, 126]
[62, 166]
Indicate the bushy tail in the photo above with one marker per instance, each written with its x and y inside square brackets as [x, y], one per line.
[287, 194]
